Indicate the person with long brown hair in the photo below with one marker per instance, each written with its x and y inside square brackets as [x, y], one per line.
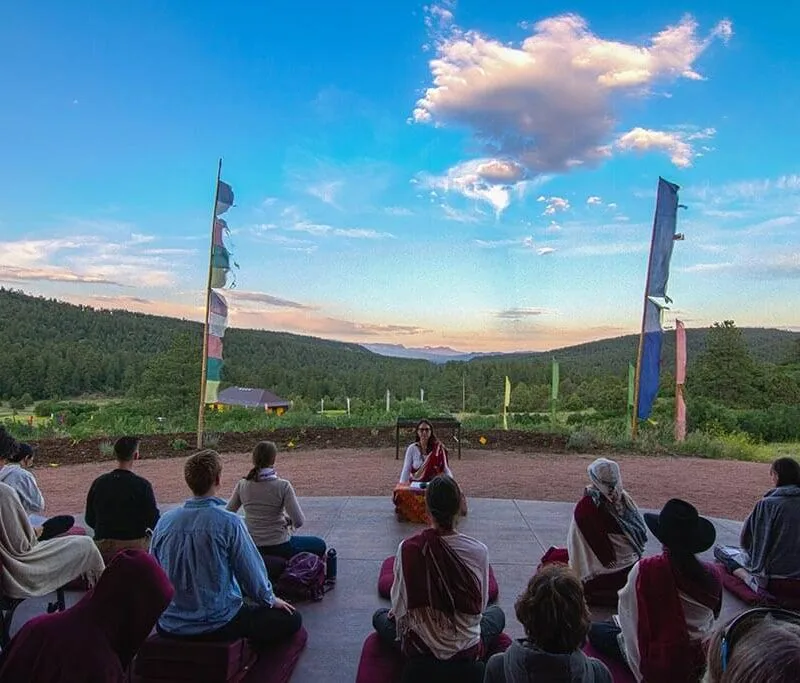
[426, 458]
[271, 509]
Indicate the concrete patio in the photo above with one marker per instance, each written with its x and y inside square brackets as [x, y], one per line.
[364, 532]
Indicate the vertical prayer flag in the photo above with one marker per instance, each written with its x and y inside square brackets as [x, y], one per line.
[664, 225]
[631, 383]
[554, 388]
[224, 198]
[507, 397]
[680, 380]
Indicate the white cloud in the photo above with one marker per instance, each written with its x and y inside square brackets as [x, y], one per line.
[553, 205]
[544, 251]
[322, 229]
[677, 145]
[239, 296]
[398, 211]
[460, 216]
[492, 244]
[90, 259]
[610, 248]
[553, 228]
[484, 180]
[326, 191]
[594, 200]
[548, 104]
[521, 313]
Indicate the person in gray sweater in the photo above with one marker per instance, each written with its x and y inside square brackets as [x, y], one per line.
[556, 619]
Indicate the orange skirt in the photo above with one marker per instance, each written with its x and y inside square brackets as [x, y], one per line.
[410, 504]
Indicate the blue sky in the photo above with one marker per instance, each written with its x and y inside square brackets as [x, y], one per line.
[470, 175]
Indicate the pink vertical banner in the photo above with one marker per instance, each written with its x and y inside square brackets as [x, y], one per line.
[680, 380]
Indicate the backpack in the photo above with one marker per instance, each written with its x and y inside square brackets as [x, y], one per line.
[303, 578]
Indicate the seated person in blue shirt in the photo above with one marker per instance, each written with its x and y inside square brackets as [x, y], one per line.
[213, 565]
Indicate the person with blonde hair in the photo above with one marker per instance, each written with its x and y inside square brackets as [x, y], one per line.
[271, 509]
[555, 616]
[760, 645]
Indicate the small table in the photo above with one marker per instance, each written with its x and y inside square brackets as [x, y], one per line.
[410, 502]
[436, 422]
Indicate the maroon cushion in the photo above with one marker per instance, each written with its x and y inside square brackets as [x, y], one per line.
[379, 663]
[172, 659]
[620, 673]
[779, 592]
[277, 663]
[386, 578]
[76, 531]
[554, 556]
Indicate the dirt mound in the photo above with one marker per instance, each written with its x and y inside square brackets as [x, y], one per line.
[70, 452]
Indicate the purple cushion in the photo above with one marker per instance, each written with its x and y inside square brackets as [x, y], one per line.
[171, 660]
[620, 673]
[386, 578]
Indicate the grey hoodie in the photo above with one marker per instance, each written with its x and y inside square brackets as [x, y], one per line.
[523, 662]
[770, 534]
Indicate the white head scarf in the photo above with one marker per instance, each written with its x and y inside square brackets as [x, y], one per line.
[607, 479]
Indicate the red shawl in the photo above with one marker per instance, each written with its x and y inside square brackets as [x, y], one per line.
[433, 465]
[596, 525]
[661, 624]
[96, 639]
[436, 578]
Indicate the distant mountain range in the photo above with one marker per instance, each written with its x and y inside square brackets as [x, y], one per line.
[434, 354]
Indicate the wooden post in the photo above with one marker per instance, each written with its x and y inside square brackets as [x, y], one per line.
[201, 413]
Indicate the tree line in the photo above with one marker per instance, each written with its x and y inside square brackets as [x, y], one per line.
[53, 350]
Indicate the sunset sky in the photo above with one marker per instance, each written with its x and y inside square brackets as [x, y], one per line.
[476, 175]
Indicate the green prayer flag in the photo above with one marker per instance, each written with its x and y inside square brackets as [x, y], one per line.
[631, 381]
[554, 391]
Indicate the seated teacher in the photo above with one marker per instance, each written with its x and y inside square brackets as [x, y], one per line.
[271, 510]
[426, 458]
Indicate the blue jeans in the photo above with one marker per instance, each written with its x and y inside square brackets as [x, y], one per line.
[603, 635]
[295, 544]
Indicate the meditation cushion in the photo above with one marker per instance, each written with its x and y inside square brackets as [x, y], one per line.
[386, 578]
[277, 663]
[620, 673]
[603, 590]
[779, 593]
[380, 663]
[162, 660]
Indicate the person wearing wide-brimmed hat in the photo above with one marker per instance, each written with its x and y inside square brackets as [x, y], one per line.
[669, 603]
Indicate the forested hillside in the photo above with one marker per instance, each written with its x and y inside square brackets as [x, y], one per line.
[57, 350]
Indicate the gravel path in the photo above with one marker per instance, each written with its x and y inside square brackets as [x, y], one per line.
[718, 488]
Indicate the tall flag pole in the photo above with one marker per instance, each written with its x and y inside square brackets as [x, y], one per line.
[631, 392]
[680, 380]
[506, 403]
[216, 317]
[648, 363]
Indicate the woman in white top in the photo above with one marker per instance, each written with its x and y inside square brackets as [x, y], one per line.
[16, 474]
[271, 510]
[426, 458]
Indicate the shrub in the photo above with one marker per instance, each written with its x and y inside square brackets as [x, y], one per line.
[583, 439]
[107, 448]
[179, 444]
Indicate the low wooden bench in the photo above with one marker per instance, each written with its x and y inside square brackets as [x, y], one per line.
[438, 423]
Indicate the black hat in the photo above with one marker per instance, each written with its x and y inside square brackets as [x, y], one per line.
[679, 527]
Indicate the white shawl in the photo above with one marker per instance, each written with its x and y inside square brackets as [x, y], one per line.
[29, 568]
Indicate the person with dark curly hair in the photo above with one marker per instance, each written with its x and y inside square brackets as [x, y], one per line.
[555, 616]
[440, 590]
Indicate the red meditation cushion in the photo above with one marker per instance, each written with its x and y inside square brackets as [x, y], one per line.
[620, 673]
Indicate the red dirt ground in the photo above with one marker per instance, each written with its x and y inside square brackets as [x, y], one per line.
[718, 488]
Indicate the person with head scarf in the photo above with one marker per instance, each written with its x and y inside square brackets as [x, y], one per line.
[96, 639]
[440, 590]
[607, 534]
[669, 604]
[33, 568]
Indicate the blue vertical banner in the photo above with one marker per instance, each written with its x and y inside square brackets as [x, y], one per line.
[664, 226]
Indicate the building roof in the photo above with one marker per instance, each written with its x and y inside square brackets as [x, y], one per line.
[246, 396]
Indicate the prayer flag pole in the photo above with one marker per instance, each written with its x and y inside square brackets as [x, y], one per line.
[638, 374]
[201, 414]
